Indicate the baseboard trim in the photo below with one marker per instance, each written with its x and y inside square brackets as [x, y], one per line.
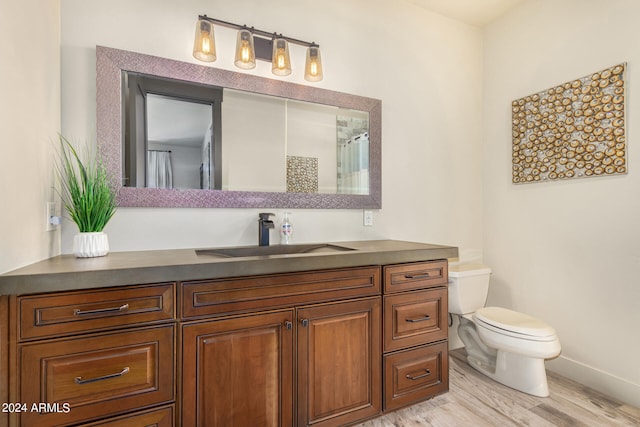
[610, 385]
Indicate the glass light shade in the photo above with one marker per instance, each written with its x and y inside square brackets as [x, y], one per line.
[313, 65]
[204, 46]
[245, 52]
[281, 63]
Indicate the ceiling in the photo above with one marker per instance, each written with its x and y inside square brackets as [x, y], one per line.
[473, 12]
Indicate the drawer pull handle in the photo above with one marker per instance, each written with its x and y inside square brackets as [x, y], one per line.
[288, 325]
[305, 322]
[79, 312]
[79, 380]
[419, 319]
[417, 276]
[417, 377]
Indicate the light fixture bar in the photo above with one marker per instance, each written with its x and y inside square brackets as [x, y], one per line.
[260, 33]
[266, 46]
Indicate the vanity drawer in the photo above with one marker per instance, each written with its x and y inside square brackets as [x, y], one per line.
[161, 417]
[418, 275]
[415, 375]
[246, 294]
[69, 313]
[414, 318]
[97, 376]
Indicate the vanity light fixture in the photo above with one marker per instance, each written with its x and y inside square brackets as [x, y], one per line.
[252, 44]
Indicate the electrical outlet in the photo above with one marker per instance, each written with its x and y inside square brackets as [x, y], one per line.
[52, 216]
[367, 218]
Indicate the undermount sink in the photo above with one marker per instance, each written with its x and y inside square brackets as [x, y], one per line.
[273, 250]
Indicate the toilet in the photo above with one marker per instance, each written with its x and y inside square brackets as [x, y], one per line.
[507, 346]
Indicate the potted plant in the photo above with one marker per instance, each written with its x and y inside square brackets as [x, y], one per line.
[88, 197]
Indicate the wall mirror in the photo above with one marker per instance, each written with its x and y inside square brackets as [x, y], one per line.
[176, 134]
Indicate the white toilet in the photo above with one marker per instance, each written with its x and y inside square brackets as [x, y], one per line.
[505, 345]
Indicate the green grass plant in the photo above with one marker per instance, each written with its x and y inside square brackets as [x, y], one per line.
[86, 192]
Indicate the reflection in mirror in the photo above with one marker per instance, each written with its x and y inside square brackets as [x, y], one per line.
[178, 143]
[272, 143]
[266, 143]
[171, 133]
[291, 146]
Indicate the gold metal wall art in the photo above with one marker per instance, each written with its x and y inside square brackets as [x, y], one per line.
[573, 130]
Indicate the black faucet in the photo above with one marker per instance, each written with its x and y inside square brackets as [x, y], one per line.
[264, 224]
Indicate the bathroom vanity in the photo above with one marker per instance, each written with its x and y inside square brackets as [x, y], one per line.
[179, 338]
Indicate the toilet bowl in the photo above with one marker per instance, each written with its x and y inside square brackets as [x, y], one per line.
[507, 346]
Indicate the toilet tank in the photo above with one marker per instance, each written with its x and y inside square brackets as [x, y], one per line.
[468, 287]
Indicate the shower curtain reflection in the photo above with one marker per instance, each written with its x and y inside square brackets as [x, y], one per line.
[159, 172]
[353, 165]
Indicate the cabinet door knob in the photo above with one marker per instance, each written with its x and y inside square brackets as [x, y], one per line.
[288, 325]
[305, 322]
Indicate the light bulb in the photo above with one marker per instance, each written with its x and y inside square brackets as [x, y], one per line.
[281, 63]
[313, 65]
[280, 59]
[245, 53]
[204, 47]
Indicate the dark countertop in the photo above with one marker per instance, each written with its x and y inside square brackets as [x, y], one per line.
[66, 272]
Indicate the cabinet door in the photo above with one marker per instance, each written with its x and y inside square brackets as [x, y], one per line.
[339, 362]
[238, 371]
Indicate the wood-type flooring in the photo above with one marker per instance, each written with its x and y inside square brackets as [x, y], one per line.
[474, 400]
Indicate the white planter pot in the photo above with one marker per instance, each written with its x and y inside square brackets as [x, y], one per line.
[89, 245]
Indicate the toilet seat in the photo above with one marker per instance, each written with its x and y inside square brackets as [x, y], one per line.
[514, 324]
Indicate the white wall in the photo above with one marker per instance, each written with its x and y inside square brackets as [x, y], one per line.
[425, 68]
[566, 252]
[29, 121]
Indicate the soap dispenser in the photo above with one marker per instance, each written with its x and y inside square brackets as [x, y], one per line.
[286, 230]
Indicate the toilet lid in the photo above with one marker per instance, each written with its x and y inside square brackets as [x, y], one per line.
[514, 322]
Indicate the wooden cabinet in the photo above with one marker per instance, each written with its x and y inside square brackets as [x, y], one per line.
[221, 297]
[313, 348]
[4, 357]
[415, 275]
[97, 376]
[415, 374]
[159, 417]
[94, 355]
[339, 363]
[415, 332]
[414, 318]
[238, 371]
[70, 313]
